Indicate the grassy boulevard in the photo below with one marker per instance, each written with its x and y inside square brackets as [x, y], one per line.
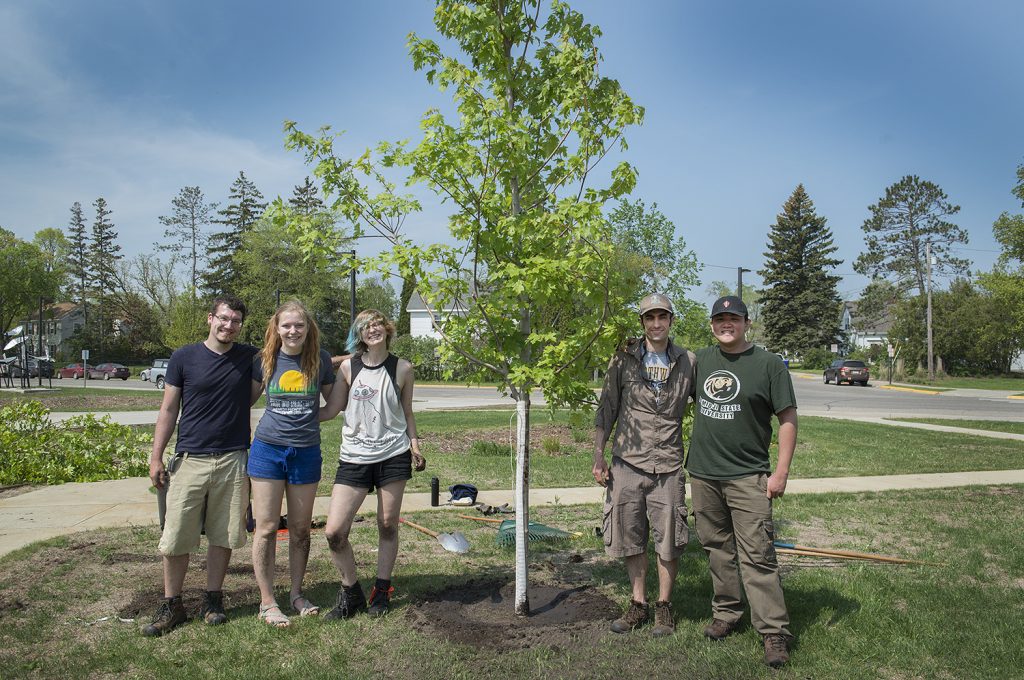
[71, 607]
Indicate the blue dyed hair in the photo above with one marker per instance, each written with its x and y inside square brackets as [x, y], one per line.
[363, 319]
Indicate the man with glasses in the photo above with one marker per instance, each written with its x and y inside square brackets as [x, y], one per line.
[210, 383]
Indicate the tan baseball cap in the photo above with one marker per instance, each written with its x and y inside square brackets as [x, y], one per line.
[656, 301]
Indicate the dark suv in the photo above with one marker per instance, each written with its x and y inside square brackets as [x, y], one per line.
[847, 370]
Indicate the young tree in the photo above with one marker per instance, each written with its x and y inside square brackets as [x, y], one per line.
[801, 304]
[532, 252]
[238, 218]
[190, 213]
[306, 199]
[911, 214]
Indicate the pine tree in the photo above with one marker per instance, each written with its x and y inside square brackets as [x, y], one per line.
[80, 269]
[238, 218]
[801, 305]
[909, 216]
[305, 199]
[103, 251]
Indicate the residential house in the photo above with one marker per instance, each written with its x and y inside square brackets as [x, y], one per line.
[862, 335]
[424, 322]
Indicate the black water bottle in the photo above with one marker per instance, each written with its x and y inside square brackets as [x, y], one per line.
[434, 490]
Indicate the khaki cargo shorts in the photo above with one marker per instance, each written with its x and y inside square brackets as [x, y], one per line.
[638, 504]
[210, 491]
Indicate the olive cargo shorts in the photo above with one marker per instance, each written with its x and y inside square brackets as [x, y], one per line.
[638, 504]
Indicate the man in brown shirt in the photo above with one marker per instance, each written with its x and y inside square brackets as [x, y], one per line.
[644, 397]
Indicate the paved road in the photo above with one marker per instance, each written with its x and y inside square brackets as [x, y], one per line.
[875, 401]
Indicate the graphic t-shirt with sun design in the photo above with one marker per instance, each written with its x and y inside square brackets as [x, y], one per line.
[292, 405]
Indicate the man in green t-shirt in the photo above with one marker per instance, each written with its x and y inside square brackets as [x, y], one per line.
[739, 388]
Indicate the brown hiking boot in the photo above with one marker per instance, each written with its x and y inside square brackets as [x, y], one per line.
[212, 610]
[663, 622]
[169, 616]
[776, 650]
[719, 629]
[634, 617]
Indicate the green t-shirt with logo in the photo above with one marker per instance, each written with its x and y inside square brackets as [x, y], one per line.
[737, 396]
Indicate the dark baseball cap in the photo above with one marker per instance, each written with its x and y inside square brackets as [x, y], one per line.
[730, 304]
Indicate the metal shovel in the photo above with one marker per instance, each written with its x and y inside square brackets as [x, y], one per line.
[455, 543]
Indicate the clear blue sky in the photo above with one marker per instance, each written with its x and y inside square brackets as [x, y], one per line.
[746, 99]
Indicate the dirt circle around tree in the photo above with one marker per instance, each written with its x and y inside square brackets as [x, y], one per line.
[481, 613]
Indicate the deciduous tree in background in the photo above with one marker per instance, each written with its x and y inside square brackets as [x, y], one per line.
[24, 278]
[532, 257]
[912, 213]
[185, 227]
[660, 261]
[800, 301]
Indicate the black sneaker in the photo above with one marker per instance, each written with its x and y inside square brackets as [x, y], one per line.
[351, 601]
[212, 610]
[169, 616]
[380, 601]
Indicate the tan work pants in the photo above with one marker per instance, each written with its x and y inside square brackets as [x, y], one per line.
[734, 524]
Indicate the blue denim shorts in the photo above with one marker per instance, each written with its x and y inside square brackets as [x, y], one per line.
[294, 464]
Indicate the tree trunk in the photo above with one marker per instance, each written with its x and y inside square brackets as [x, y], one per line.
[522, 596]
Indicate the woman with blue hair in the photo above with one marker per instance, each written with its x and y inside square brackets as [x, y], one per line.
[379, 450]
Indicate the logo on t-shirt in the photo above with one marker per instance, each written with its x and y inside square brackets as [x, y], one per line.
[362, 392]
[722, 386]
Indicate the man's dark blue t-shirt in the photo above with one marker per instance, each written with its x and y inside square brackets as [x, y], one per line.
[216, 391]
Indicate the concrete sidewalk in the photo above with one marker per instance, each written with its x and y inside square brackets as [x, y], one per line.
[69, 508]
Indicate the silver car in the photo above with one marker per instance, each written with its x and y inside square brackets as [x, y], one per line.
[156, 372]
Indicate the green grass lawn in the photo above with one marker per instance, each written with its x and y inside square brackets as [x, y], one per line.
[62, 602]
[990, 425]
[826, 448]
[1012, 382]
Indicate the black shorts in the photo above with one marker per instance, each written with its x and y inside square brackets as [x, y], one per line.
[375, 475]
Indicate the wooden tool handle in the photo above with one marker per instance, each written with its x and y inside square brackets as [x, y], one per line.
[482, 519]
[417, 527]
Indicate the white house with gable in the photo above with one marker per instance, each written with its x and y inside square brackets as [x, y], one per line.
[423, 322]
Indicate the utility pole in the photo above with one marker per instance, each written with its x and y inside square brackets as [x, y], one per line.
[931, 355]
[739, 281]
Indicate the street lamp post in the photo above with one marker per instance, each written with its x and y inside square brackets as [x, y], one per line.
[739, 281]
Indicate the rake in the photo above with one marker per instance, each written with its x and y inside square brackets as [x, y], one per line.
[534, 530]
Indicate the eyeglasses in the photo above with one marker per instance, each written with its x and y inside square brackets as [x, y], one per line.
[231, 321]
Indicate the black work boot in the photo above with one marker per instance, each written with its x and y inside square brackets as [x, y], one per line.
[351, 601]
[212, 610]
[634, 617]
[169, 616]
[663, 623]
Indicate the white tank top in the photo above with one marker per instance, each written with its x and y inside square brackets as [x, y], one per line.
[375, 428]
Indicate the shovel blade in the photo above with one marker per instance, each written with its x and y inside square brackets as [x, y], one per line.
[455, 543]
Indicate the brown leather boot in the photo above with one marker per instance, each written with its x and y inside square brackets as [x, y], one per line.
[664, 624]
[634, 617]
[776, 650]
[719, 629]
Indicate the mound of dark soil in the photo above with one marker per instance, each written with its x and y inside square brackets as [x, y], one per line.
[481, 613]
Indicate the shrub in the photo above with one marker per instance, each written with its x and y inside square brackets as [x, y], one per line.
[81, 449]
[551, 445]
[818, 358]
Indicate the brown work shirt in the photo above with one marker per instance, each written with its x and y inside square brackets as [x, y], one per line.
[649, 432]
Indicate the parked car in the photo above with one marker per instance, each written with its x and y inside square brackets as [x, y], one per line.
[75, 371]
[847, 370]
[109, 371]
[156, 372]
